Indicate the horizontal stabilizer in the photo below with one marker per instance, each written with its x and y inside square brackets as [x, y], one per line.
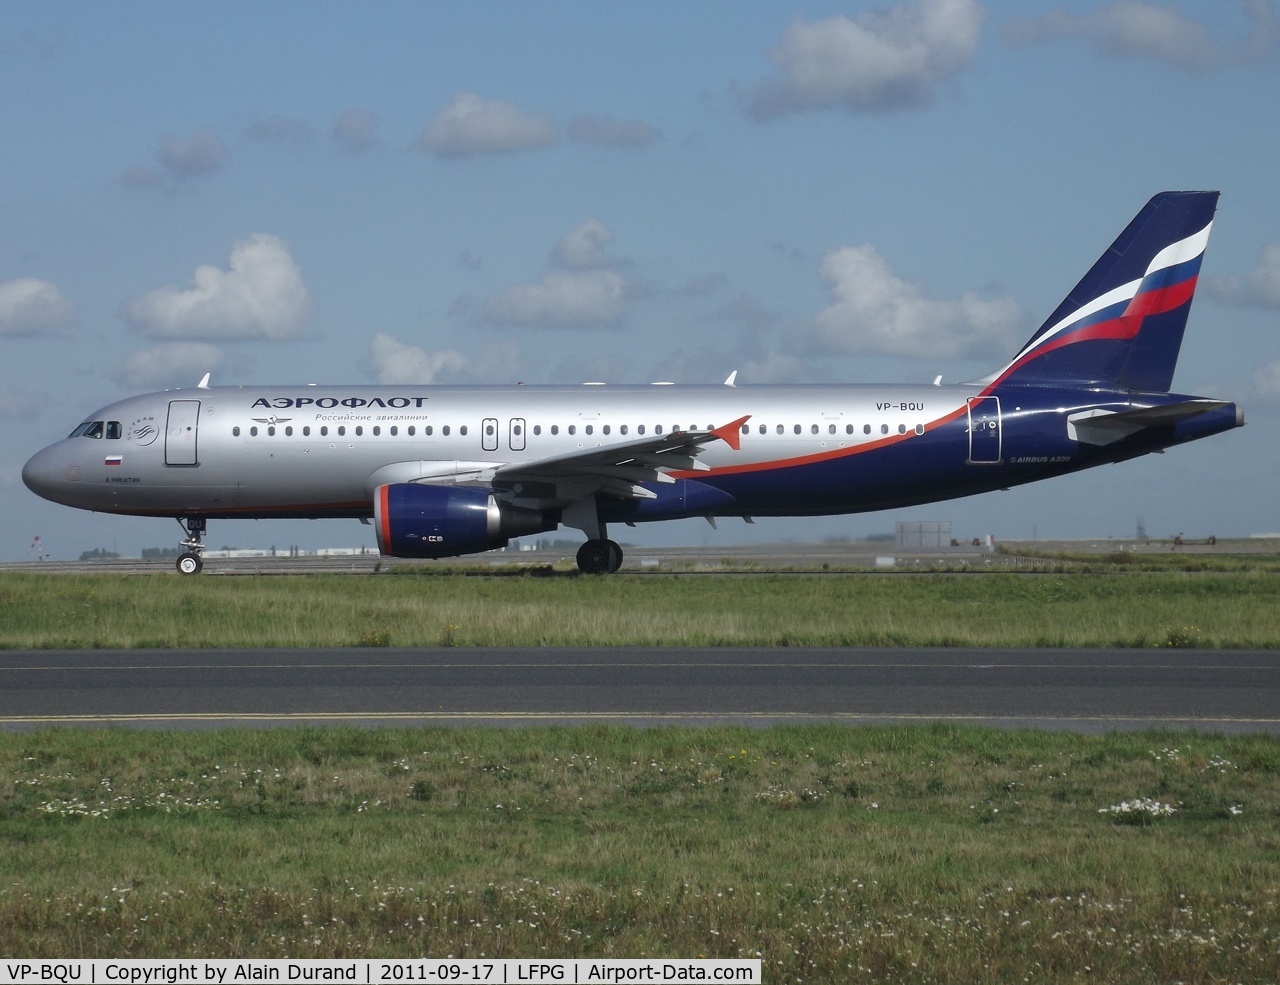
[1102, 427]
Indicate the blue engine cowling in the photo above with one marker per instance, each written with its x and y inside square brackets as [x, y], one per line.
[420, 520]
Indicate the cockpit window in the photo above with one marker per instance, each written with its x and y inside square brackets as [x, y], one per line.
[89, 429]
[113, 429]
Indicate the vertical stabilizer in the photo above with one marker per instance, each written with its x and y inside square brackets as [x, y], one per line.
[1122, 325]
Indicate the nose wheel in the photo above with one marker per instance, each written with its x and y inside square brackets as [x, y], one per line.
[190, 561]
[599, 557]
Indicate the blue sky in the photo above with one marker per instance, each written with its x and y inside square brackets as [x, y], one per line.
[560, 192]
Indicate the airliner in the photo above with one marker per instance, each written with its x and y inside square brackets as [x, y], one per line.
[443, 471]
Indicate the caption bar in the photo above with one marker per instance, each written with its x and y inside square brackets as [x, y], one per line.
[167, 971]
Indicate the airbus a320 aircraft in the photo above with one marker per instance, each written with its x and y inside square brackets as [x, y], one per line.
[449, 470]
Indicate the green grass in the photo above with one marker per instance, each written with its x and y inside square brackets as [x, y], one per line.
[936, 854]
[1131, 609]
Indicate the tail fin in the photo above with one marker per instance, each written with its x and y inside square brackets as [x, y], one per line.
[1122, 325]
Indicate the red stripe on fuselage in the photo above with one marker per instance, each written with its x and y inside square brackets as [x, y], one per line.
[823, 456]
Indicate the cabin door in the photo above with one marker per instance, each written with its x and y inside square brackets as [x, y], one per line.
[181, 432]
[984, 430]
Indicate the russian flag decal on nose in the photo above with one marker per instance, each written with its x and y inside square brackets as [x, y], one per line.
[114, 460]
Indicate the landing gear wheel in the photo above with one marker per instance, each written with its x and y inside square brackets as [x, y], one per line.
[189, 564]
[599, 557]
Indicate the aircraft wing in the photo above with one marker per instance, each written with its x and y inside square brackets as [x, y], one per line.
[1102, 427]
[614, 469]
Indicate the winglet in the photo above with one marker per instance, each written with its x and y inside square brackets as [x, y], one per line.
[731, 381]
[204, 382]
[731, 434]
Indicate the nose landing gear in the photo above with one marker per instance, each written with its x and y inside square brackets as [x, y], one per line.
[191, 560]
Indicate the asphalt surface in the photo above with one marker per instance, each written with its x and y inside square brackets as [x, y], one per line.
[1079, 690]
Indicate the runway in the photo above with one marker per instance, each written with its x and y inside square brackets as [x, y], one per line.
[1079, 690]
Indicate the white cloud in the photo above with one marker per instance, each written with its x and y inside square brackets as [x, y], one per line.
[260, 296]
[472, 125]
[1266, 381]
[186, 157]
[881, 60]
[1138, 29]
[608, 132]
[1259, 288]
[584, 247]
[563, 298]
[169, 364]
[393, 361]
[873, 310]
[580, 293]
[29, 306]
[356, 129]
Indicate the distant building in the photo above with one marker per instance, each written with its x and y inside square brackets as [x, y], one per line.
[922, 536]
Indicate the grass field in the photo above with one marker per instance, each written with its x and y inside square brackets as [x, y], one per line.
[935, 854]
[1101, 609]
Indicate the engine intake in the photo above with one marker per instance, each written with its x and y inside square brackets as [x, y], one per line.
[415, 519]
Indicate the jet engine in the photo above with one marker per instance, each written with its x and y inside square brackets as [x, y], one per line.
[420, 520]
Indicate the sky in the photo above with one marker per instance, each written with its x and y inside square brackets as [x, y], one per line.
[557, 192]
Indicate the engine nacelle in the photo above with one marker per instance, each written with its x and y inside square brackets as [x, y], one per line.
[420, 520]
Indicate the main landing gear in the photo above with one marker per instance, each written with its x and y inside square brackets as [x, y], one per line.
[191, 561]
[599, 557]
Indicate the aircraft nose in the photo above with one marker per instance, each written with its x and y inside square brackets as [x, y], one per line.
[38, 473]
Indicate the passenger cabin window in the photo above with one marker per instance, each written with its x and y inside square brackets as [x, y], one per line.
[253, 432]
[411, 430]
[764, 428]
[463, 430]
[537, 429]
[376, 431]
[657, 429]
[306, 432]
[555, 428]
[289, 431]
[866, 429]
[590, 429]
[848, 429]
[445, 430]
[324, 431]
[573, 429]
[428, 430]
[235, 431]
[394, 430]
[640, 429]
[342, 430]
